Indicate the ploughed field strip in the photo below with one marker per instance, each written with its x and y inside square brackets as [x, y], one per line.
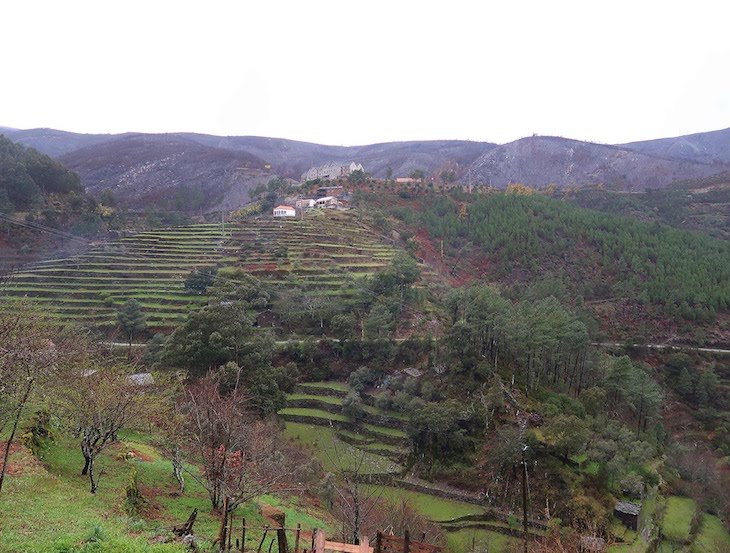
[321, 253]
[149, 267]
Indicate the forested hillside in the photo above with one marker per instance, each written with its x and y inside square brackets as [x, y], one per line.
[27, 177]
[702, 205]
[43, 206]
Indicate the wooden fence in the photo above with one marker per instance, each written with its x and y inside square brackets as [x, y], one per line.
[319, 543]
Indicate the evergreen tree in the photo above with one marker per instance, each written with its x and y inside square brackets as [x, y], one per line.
[132, 321]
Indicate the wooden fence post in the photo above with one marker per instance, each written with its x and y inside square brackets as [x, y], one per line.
[296, 539]
[319, 542]
[243, 535]
[378, 542]
[406, 542]
[281, 540]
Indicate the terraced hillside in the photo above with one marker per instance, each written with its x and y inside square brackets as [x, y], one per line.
[149, 267]
[321, 252]
[314, 418]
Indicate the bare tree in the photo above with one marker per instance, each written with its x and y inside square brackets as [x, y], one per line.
[241, 456]
[97, 403]
[354, 503]
[31, 351]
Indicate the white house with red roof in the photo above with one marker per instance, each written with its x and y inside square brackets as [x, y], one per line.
[284, 211]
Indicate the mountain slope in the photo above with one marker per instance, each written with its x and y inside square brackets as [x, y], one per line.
[536, 161]
[543, 160]
[166, 170]
[55, 143]
[292, 158]
[704, 147]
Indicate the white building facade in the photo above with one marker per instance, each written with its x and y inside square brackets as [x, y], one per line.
[284, 211]
[331, 171]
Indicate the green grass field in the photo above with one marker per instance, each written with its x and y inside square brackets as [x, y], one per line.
[432, 507]
[712, 536]
[47, 508]
[483, 540]
[333, 453]
[676, 523]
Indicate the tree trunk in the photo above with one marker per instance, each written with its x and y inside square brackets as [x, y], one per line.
[177, 471]
[19, 412]
[85, 470]
[94, 483]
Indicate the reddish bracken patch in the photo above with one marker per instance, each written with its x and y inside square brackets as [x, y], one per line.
[135, 454]
[273, 515]
[152, 509]
[21, 460]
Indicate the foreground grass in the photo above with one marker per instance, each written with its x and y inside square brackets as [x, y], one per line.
[712, 536]
[47, 507]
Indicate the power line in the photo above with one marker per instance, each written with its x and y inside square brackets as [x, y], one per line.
[41, 228]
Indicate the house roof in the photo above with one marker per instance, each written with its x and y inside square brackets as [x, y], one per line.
[284, 207]
[628, 507]
[141, 379]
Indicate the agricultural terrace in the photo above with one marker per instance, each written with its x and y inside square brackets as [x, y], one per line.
[149, 267]
[378, 444]
[321, 254]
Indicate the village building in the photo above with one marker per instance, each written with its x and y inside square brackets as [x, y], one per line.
[628, 513]
[408, 180]
[328, 202]
[331, 171]
[284, 211]
[304, 203]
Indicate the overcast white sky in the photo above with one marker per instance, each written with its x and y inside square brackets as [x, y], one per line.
[347, 72]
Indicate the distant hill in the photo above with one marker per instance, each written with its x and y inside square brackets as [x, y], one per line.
[292, 158]
[705, 147]
[164, 170]
[543, 160]
[56, 143]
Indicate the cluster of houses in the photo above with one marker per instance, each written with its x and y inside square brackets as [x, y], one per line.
[331, 171]
[328, 197]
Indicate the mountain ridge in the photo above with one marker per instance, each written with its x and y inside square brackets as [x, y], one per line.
[536, 160]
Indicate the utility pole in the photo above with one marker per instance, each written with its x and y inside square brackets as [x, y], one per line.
[524, 500]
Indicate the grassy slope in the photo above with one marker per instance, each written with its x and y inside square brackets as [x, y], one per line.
[48, 508]
[676, 523]
[333, 452]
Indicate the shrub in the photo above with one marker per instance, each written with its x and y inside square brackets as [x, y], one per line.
[352, 406]
[38, 435]
[134, 501]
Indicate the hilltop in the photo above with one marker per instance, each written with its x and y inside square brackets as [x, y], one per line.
[543, 160]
